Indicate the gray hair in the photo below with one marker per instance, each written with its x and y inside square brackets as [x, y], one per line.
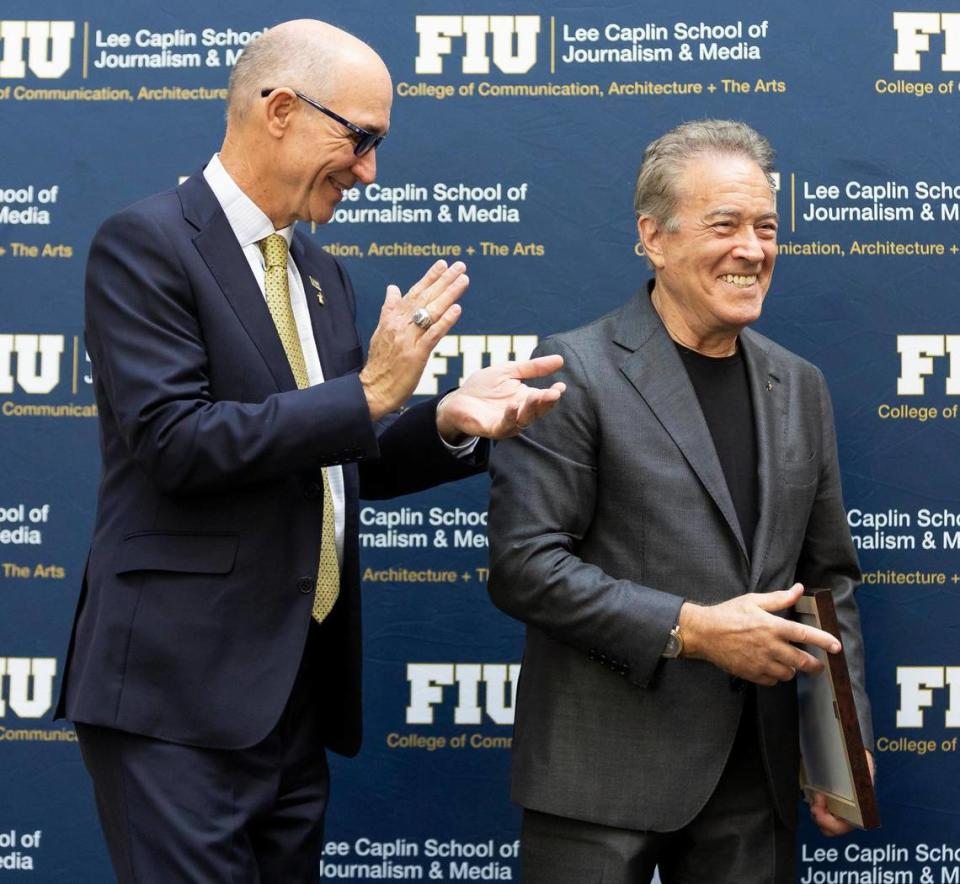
[297, 60]
[656, 194]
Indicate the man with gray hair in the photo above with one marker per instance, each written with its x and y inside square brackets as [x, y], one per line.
[216, 648]
[653, 534]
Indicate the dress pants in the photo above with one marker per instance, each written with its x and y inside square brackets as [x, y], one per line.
[737, 838]
[173, 813]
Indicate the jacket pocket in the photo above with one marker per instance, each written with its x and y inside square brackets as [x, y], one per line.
[206, 553]
[802, 472]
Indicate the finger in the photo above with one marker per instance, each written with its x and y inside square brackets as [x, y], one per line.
[818, 822]
[445, 291]
[428, 278]
[440, 326]
[779, 672]
[529, 401]
[798, 659]
[829, 824]
[552, 393]
[392, 297]
[539, 403]
[437, 287]
[537, 367]
[507, 424]
[391, 300]
[808, 663]
[780, 599]
[535, 404]
[802, 634]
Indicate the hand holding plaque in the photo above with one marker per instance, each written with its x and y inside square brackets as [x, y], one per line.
[834, 771]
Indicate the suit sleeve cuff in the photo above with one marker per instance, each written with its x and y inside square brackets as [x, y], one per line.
[463, 449]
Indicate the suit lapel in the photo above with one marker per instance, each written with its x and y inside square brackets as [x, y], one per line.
[656, 371]
[321, 314]
[222, 254]
[770, 396]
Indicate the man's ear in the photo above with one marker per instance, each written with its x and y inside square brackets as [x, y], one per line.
[651, 238]
[279, 108]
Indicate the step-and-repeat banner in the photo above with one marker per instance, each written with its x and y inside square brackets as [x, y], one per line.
[517, 132]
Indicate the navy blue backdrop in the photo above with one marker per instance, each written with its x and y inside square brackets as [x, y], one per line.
[515, 141]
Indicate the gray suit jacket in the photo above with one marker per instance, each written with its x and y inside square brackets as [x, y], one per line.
[609, 512]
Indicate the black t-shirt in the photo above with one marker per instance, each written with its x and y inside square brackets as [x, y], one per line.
[723, 389]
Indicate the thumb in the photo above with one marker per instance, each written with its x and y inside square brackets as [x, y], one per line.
[781, 599]
[393, 296]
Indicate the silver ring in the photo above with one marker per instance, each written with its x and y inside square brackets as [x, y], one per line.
[422, 318]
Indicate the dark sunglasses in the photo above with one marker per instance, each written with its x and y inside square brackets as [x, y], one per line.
[366, 141]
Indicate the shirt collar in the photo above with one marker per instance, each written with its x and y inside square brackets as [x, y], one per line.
[245, 217]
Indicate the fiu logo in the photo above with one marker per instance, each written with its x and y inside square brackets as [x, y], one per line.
[437, 33]
[914, 30]
[473, 348]
[41, 46]
[28, 686]
[917, 684]
[37, 362]
[428, 680]
[917, 353]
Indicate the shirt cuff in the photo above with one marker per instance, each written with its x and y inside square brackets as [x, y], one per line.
[464, 449]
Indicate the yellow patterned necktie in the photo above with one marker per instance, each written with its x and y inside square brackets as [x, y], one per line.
[274, 249]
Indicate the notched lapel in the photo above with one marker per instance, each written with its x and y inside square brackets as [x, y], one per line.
[222, 253]
[658, 374]
[770, 396]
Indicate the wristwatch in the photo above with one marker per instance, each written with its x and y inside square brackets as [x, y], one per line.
[674, 646]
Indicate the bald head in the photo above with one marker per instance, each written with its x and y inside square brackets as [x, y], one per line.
[307, 55]
[294, 151]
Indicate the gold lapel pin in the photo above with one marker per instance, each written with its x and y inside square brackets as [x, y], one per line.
[316, 285]
[769, 386]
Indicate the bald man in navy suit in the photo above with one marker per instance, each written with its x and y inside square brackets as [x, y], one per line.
[204, 675]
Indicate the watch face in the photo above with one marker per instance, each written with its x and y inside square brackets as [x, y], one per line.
[673, 647]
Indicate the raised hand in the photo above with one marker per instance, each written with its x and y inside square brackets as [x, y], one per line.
[495, 403]
[400, 347]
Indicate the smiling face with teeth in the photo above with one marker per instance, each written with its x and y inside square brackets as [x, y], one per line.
[713, 271]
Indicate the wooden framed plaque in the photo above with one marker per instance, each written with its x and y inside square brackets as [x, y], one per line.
[833, 760]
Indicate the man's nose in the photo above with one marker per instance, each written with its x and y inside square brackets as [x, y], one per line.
[748, 247]
[365, 167]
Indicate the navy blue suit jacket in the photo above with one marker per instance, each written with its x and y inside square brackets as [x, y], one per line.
[198, 589]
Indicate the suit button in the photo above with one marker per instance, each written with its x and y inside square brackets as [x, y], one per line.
[313, 490]
[305, 584]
